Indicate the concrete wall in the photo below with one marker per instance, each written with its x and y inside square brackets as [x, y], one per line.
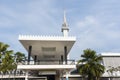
[113, 61]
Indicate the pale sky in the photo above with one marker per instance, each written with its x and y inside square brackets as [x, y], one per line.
[95, 23]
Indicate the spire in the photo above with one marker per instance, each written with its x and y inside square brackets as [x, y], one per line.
[65, 28]
[64, 20]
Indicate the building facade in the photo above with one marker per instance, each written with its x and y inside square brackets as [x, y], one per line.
[48, 56]
[48, 59]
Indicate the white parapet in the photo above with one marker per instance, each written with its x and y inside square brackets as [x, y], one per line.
[55, 38]
[110, 54]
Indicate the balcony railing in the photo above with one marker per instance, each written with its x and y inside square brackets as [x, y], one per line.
[49, 62]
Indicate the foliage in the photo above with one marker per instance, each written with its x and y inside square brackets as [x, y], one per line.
[112, 70]
[19, 57]
[3, 48]
[9, 60]
[90, 65]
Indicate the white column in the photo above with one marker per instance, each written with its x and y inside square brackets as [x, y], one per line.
[26, 75]
[68, 59]
[67, 78]
[65, 33]
[61, 75]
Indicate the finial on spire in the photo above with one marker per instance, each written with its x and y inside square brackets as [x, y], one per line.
[65, 28]
[65, 21]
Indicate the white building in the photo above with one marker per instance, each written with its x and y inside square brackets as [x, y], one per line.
[110, 61]
[49, 53]
[48, 58]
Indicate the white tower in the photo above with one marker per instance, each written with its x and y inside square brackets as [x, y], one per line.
[65, 28]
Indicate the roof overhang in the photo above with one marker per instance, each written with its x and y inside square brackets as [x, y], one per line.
[110, 54]
[54, 44]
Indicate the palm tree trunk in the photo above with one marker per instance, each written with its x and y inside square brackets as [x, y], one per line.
[90, 77]
[9, 75]
[109, 78]
[82, 77]
[97, 78]
[2, 76]
[14, 73]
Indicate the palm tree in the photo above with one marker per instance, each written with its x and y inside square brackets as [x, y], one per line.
[90, 65]
[8, 65]
[9, 60]
[3, 49]
[19, 59]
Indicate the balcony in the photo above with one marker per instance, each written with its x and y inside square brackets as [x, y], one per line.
[49, 62]
[47, 65]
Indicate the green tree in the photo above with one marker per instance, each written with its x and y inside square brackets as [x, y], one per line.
[90, 65]
[7, 62]
[3, 49]
[19, 57]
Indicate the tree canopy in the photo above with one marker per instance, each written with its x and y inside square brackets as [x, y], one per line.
[90, 65]
[9, 59]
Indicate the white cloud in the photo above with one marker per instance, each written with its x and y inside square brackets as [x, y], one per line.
[99, 32]
[96, 25]
[88, 21]
[28, 16]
